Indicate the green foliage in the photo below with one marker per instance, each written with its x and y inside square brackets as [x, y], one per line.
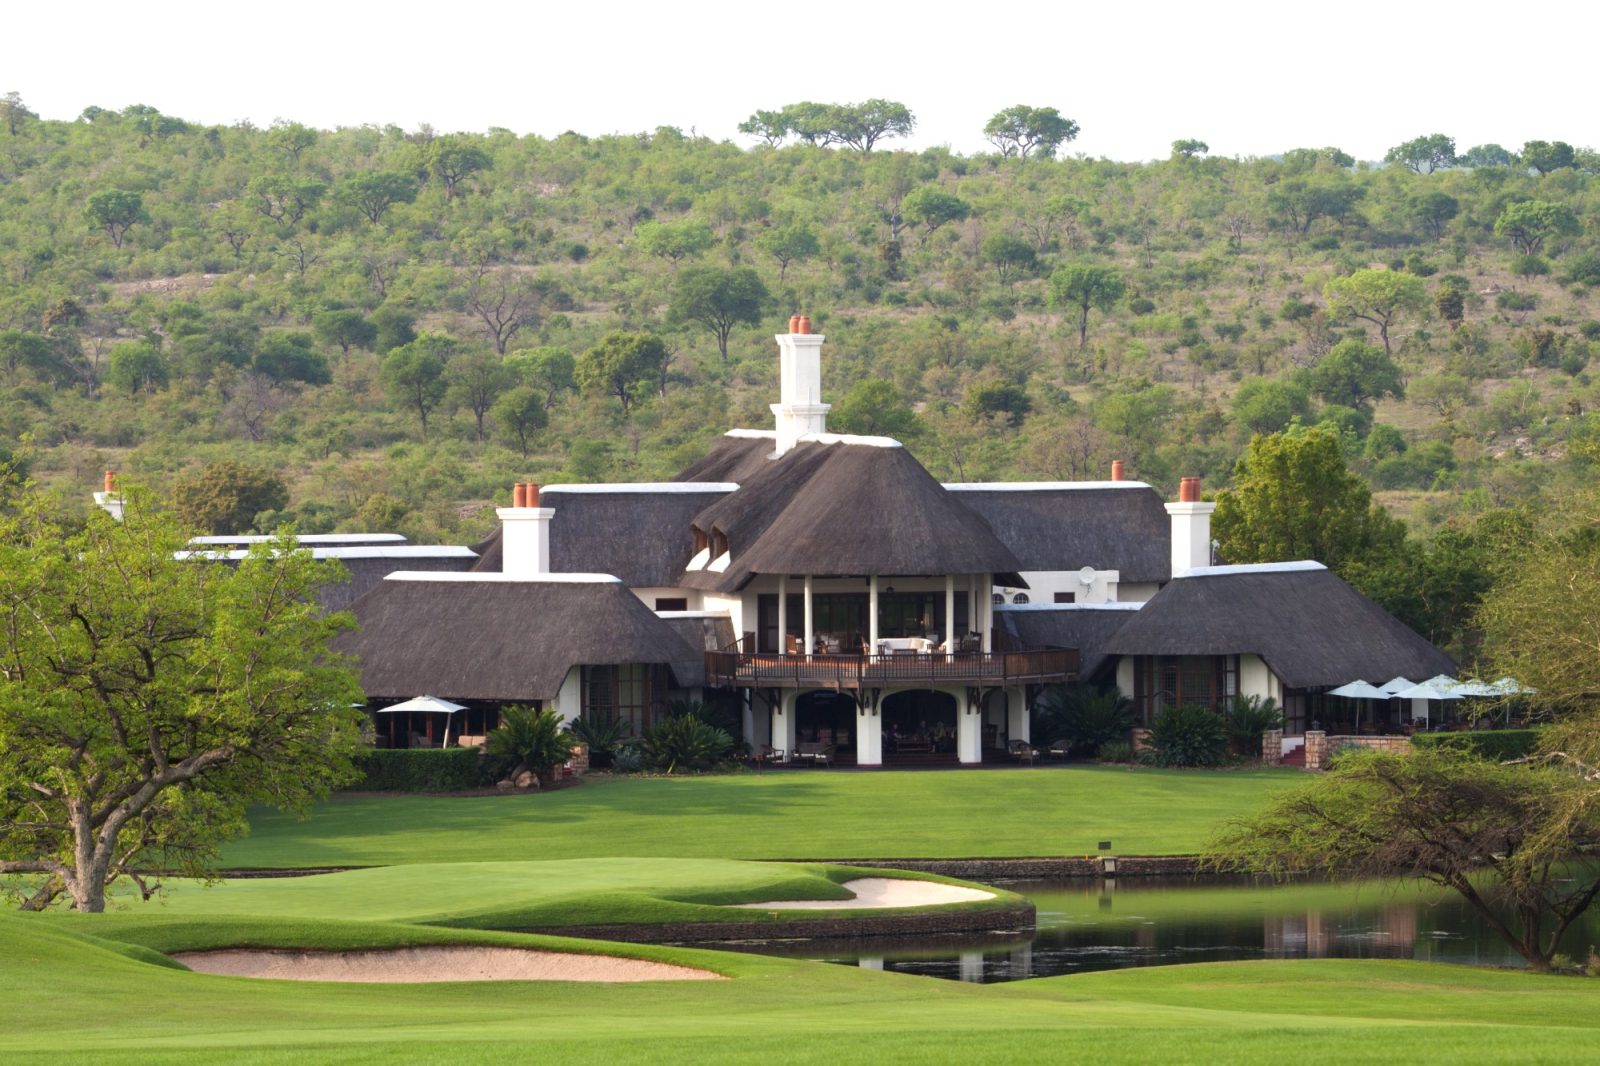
[521, 414]
[1424, 155]
[1268, 405]
[875, 407]
[719, 300]
[345, 328]
[1187, 736]
[1529, 223]
[1499, 745]
[686, 743]
[623, 365]
[374, 193]
[149, 699]
[603, 735]
[224, 497]
[413, 376]
[1089, 719]
[1547, 156]
[1085, 286]
[1247, 718]
[137, 365]
[1012, 257]
[1022, 131]
[1353, 374]
[674, 240]
[289, 358]
[1115, 751]
[786, 244]
[420, 770]
[116, 211]
[1381, 297]
[859, 126]
[529, 739]
[932, 207]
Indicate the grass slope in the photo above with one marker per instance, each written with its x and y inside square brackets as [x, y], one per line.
[791, 815]
[81, 999]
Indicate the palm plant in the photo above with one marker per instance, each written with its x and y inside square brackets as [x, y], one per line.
[530, 739]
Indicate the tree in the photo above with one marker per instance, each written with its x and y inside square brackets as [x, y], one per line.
[1189, 148]
[137, 365]
[933, 207]
[475, 380]
[146, 700]
[285, 198]
[1300, 201]
[874, 407]
[1445, 394]
[719, 300]
[770, 126]
[413, 376]
[396, 326]
[1021, 131]
[346, 328]
[1267, 405]
[1530, 223]
[1011, 256]
[373, 194]
[1353, 372]
[1433, 210]
[788, 243]
[24, 351]
[621, 363]
[116, 211]
[14, 113]
[291, 138]
[549, 370]
[1440, 816]
[1082, 287]
[224, 498]
[1293, 497]
[452, 160]
[1424, 155]
[521, 412]
[1487, 155]
[674, 240]
[289, 357]
[863, 125]
[1377, 296]
[1545, 156]
[506, 301]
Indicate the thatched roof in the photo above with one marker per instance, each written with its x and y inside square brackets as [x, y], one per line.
[701, 631]
[638, 532]
[366, 571]
[1086, 627]
[1109, 525]
[478, 637]
[735, 456]
[848, 506]
[1310, 627]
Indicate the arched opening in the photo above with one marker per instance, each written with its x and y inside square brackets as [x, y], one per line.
[826, 717]
[919, 724]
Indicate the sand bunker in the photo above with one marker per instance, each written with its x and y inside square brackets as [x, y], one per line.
[879, 892]
[428, 964]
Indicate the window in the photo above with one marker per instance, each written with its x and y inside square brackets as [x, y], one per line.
[634, 693]
[701, 541]
[1162, 681]
[1066, 597]
[999, 598]
[672, 603]
[1021, 597]
[719, 544]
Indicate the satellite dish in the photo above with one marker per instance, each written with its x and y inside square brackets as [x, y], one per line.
[1087, 575]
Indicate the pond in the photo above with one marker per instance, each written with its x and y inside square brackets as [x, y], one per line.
[1087, 925]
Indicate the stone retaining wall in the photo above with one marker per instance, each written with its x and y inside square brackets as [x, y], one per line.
[1320, 747]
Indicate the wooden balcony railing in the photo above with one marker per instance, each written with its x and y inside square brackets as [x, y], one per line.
[1044, 665]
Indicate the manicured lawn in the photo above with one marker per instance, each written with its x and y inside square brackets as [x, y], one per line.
[76, 998]
[782, 815]
[521, 895]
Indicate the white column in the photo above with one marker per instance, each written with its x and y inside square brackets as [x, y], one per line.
[1017, 724]
[747, 720]
[969, 731]
[783, 724]
[986, 609]
[783, 615]
[872, 615]
[810, 636]
[869, 736]
[950, 612]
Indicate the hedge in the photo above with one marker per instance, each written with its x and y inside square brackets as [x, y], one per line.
[1501, 745]
[421, 770]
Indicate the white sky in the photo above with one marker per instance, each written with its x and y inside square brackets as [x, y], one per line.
[1248, 78]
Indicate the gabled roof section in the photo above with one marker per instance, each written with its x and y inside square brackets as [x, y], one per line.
[497, 639]
[1067, 525]
[639, 532]
[736, 456]
[1087, 627]
[849, 506]
[1310, 627]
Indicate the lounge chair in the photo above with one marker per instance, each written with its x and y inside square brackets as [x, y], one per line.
[1022, 751]
[814, 752]
[1057, 749]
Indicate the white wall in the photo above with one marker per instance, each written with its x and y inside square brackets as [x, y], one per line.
[569, 701]
[1137, 591]
[650, 594]
[1044, 584]
[1125, 676]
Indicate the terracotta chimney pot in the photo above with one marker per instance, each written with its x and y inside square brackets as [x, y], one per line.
[111, 481]
[519, 495]
[1189, 490]
[805, 324]
[533, 494]
[794, 323]
[1116, 470]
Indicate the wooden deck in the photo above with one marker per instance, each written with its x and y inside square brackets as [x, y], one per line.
[1042, 666]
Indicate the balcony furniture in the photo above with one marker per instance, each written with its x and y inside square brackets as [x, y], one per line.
[1022, 751]
[1058, 749]
[766, 755]
[792, 644]
[814, 752]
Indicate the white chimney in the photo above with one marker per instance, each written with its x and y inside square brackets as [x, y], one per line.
[1191, 527]
[800, 410]
[110, 500]
[525, 533]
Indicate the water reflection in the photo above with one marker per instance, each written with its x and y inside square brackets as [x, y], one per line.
[1087, 925]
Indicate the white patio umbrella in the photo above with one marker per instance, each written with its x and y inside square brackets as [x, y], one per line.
[429, 704]
[1510, 686]
[1435, 689]
[1395, 684]
[1359, 690]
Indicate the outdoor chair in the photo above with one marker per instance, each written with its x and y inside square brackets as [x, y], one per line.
[814, 752]
[1058, 749]
[766, 755]
[1022, 751]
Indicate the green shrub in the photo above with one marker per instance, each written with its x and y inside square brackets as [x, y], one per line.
[1248, 717]
[529, 739]
[420, 770]
[1086, 717]
[1115, 751]
[603, 736]
[1502, 745]
[686, 742]
[1188, 735]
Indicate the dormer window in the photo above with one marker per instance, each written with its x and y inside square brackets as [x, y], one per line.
[701, 541]
[719, 543]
